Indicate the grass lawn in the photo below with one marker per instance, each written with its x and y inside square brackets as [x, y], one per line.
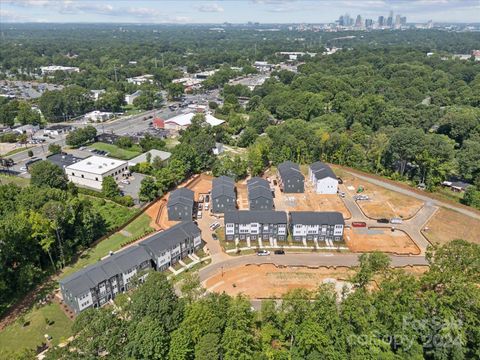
[16, 151]
[116, 152]
[135, 229]
[9, 179]
[15, 338]
[170, 143]
[449, 194]
[113, 213]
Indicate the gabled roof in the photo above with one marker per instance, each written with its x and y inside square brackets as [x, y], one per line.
[316, 217]
[257, 181]
[181, 196]
[258, 187]
[256, 216]
[170, 238]
[223, 185]
[322, 170]
[288, 169]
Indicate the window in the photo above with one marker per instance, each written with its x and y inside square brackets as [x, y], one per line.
[96, 179]
[82, 176]
[73, 174]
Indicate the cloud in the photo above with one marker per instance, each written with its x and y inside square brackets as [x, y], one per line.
[210, 8]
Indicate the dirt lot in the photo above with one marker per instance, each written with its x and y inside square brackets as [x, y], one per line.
[447, 225]
[152, 213]
[309, 201]
[268, 281]
[365, 240]
[200, 185]
[265, 281]
[383, 203]
[242, 195]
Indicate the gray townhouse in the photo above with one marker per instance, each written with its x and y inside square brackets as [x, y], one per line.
[255, 224]
[167, 247]
[291, 179]
[223, 194]
[180, 205]
[316, 225]
[259, 194]
[99, 283]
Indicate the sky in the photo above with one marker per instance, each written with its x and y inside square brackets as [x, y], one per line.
[233, 11]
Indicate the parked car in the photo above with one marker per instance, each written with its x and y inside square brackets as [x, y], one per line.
[199, 214]
[200, 199]
[214, 226]
[341, 194]
[396, 221]
[23, 168]
[361, 197]
[125, 181]
[207, 198]
[383, 221]
[279, 252]
[359, 224]
[340, 181]
[214, 237]
[206, 206]
[200, 206]
[263, 252]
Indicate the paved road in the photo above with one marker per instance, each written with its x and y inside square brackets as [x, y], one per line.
[301, 259]
[421, 197]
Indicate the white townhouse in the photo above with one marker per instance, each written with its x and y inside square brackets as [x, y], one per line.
[316, 225]
[322, 178]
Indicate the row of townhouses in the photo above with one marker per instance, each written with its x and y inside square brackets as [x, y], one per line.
[99, 283]
[275, 225]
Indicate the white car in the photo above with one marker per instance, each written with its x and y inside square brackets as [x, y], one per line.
[214, 226]
[263, 252]
[23, 168]
[206, 206]
[125, 181]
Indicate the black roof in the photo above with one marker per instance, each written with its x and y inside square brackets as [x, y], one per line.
[256, 216]
[223, 185]
[258, 187]
[322, 170]
[170, 238]
[316, 217]
[63, 159]
[181, 196]
[288, 169]
[58, 127]
[89, 277]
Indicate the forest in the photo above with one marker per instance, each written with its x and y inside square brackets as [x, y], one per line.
[389, 314]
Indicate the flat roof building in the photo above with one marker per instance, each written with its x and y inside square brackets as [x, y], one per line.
[63, 160]
[91, 171]
[163, 155]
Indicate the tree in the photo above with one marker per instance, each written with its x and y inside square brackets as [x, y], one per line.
[27, 115]
[111, 100]
[175, 90]
[370, 265]
[47, 174]
[52, 105]
[147, 339]
[54, 148]
[469, 160]
[124, 142]
[110, 187]
[208, 347]
[8, 111]
[472, 197]
[30, 153]
[149, 189]
[81, 136]
[191, 287]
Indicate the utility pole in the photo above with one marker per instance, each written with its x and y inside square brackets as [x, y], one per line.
[163, 62]
[255, 51]
[115, 70]
[155, 62]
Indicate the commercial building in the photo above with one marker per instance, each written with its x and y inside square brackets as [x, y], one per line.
[259, 194]
[322, 178]
[63, 160]
[180, 204]
[91, 171]
[253, 225]
[316, 226]
[139, 80]
[99, 283]
[162, 155]
[291, 179]
[56, 130]
[98, 115]
[47, 70]
[223, 194]
[183, 121]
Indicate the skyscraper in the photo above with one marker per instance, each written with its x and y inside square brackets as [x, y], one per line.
[368, 23]
[358, 21]
[381, 20]
[390, 19]
[341, 21]
[397, 21]
[403, 20]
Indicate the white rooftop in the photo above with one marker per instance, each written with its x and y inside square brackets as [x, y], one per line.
[186, 119]
[163, 155]
[97, 165]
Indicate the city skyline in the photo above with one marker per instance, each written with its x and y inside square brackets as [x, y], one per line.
[233, 11]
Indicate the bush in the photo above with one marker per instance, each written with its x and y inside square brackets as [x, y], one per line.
[30, 153]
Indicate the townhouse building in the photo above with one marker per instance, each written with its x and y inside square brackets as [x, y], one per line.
[291, 179]
[223, 194]
[322, 178]
[255, 224]
[259, 194]
[99, 283]
[316, 225]
[180, 205]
